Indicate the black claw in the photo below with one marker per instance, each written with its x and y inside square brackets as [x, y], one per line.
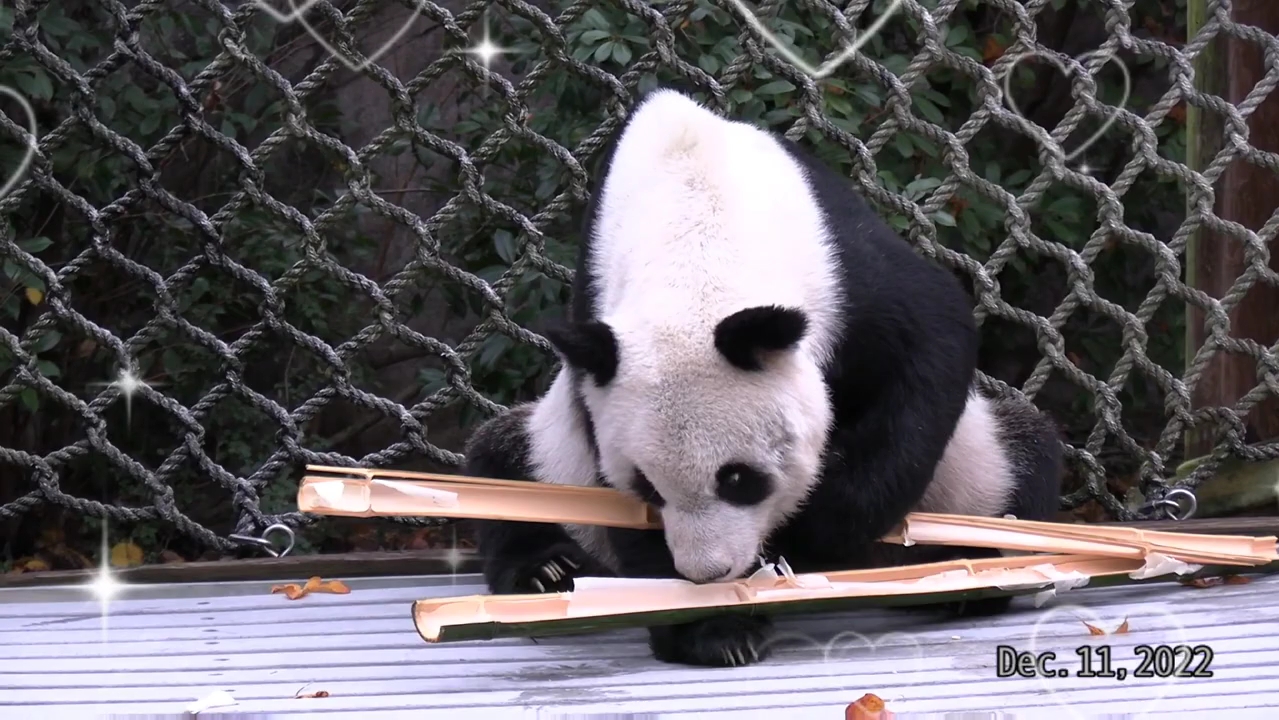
[721, 641]
[547, 572]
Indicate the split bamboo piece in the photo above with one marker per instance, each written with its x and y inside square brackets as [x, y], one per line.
[364, 493]
[1035, 536]
[632, 601]
[360, 492]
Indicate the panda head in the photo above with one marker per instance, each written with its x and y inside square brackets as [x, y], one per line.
[721, 424]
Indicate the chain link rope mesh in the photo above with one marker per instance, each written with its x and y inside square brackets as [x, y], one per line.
[43, 471]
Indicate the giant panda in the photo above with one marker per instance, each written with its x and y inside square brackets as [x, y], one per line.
[751, 349]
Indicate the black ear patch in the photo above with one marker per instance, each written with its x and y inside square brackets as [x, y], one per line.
[589, 347]
[746, 334]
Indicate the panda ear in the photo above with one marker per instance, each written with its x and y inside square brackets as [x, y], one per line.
[746, 335]
[587, 346]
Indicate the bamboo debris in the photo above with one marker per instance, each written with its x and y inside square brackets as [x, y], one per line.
[365, 493]
[613, 597]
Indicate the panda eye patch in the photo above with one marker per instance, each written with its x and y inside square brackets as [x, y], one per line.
[646, 491]
[741, 484]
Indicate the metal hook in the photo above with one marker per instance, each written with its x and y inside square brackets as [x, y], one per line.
[265, 543]
[1171, 506]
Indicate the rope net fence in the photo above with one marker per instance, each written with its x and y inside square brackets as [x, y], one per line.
[238, 238]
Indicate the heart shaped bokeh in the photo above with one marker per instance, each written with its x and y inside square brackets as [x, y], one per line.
[844, 645]
[830, 65]
[299, 10]
[1064, 644]
[1066, 70]
[18, 172]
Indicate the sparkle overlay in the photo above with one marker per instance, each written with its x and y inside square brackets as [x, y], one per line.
[486, 50]
[298, 10]
[128, 383]
[33, 132]
[828, 67]
[1067, 71]
[454, 558]
[104, 586]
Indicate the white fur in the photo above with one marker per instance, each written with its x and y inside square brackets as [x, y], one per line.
[560, 454]
[700, 217]
[975, 475]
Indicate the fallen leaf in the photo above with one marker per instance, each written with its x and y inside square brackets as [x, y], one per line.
[1237, 580]
[168, 556]
[316, 694]
[1203, 582]
[27, 565]
[34, 296]
[126, 554]
[217, 698]
[293, 591]
[1121, 630]
[868, 707]
[992, 49]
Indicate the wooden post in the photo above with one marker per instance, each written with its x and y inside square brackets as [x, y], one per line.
[1246, 194]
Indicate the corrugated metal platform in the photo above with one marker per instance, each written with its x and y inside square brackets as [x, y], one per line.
[166, 646]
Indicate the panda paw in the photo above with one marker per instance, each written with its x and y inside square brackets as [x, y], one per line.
[548, 572]
[985, 607]
[723, 641]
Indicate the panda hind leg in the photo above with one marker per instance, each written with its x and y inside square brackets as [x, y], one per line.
[521, 557]
[1030, 439]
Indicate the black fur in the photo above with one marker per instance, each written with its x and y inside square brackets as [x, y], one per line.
[521, 557]
[587, 346]
[747, 334]
[899, 382]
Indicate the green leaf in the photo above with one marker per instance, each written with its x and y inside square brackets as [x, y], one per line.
[621, 52]
[29, 398]
[594, 18]
[930, 111]
[504, 243]
[590, 37]
[151, 122]
[35, 244]
[603, 51]
[47, 341]
[942, 217]
[957, 35]
[776, 87]
[48, 369]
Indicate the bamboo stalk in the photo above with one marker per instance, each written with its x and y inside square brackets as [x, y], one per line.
[357, 492]
[1036, 536]
[482, 617]
[397, 493]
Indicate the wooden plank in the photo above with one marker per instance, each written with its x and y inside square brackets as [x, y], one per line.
[915, 660]
[1247, 194]
[346, 565]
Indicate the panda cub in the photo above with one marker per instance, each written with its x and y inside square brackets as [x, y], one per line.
[751, 349]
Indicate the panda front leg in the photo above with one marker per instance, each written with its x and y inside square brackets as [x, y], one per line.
[729, 640]
[521, 557]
